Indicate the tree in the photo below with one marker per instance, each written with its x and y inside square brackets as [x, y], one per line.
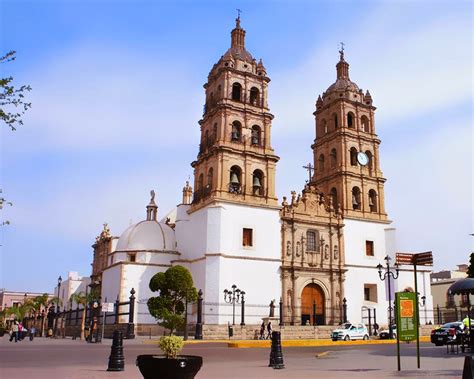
[12, 99]
[20, 311]
[81, 299]
[470, 269]
[40, 303]
[175, 288]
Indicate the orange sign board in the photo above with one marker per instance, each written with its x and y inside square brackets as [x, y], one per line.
[406, 308]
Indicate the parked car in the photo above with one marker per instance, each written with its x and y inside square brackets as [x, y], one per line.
[448, 332]
[349, 332]
[385, 333]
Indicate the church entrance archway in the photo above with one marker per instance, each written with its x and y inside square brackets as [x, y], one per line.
[312, 305]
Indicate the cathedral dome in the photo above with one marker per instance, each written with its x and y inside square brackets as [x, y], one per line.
[342, 83]
[148, 235]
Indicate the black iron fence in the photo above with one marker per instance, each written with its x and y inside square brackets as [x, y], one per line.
[94, 318]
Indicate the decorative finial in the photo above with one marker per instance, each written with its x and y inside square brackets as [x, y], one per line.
[341, 52]
[152, 194]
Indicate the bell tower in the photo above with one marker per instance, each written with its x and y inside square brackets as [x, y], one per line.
[236, 162]
[346, 149]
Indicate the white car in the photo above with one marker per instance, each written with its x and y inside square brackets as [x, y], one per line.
[349, 332]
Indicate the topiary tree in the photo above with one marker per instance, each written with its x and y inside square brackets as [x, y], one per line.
[175, 287]
[470, 269]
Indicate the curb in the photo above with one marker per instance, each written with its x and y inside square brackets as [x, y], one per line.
[313, 343]
[250, 344]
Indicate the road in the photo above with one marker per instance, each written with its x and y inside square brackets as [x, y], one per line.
[64, 359]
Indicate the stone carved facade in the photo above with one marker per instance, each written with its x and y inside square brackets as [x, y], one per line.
[312, 240]
[102, 247]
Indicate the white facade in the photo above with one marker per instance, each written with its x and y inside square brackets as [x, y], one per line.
[210, 243]
[73, 284]
[363, 273]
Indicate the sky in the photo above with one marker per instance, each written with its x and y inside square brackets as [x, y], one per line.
[117, 96]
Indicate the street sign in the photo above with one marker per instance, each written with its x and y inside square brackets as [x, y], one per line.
[404, 258]
[107, 307]
[407, 323]
[423, 259]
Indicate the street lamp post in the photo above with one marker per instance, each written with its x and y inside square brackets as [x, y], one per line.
[57, 306]
[383, 276]
[233, 297]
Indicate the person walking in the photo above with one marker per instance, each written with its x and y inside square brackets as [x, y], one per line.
[32, 333]
[262, 330]
[269, 330]
[14, 331]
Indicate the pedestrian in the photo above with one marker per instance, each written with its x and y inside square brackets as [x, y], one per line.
[21, 330]
[32, 333]
[14, 331]
[262, 330]
[269, 330]
[376, 328]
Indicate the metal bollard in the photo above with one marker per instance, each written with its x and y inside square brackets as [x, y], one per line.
[116, 358]
[276, 354]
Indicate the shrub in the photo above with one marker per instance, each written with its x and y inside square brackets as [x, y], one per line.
[175, 288]
[171, 346]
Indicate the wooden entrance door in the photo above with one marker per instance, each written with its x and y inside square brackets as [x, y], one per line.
[312, 305]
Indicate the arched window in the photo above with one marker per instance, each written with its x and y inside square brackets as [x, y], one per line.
[254, 96]
[236, 131]
[201, 182]
[321, 162]
[333, 158]
[334, 119]
[373, 200]
[235, 179]
[333, 194]
[210, 175]
[257, 183]
[353, 153]
[365, 124]
[371, 161]
[214, 132]
[256, 136]
[324, 127]
[356, 198]
[236, 92]
[350, 120]
[312, 239]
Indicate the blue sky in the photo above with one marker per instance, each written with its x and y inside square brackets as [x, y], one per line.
[117, 95]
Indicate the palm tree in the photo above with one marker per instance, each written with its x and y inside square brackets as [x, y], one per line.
[40, 303]
[81, 299]
[20, 311]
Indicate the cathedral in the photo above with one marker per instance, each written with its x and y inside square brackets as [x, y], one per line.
[316, 251]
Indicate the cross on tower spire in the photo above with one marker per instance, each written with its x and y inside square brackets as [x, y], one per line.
[341, 52]
[310, 169]
[237, 20]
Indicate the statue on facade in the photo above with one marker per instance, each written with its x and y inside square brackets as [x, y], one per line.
[272, 308]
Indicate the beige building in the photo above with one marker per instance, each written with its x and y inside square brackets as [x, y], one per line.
[440, 283]
[16, 298]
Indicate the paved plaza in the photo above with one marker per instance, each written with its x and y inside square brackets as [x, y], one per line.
[62, 359]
